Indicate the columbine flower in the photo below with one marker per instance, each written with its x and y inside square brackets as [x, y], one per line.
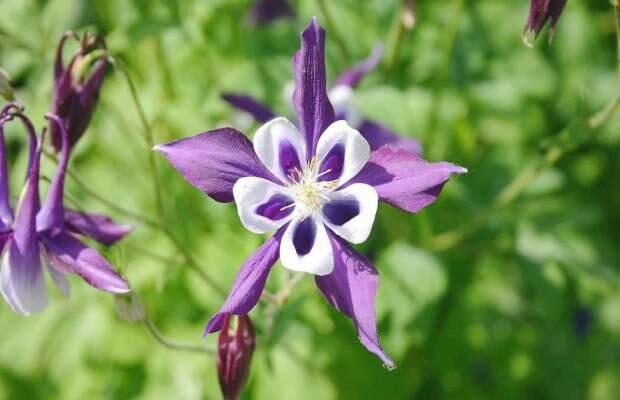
[36, 231]
[317, 187]
[342, 97]
[235, 347]
[267, 11]
[76, 86]
[541, 12]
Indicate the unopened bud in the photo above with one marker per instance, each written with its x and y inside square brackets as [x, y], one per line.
[6, 90]
[234, 354]
[129, 307]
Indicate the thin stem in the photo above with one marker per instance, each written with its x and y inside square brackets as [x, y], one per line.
[172, 344]
[148, 136]
[404, 20]
[86, 189]
[606, 113]
[331, 26]
[511, 192]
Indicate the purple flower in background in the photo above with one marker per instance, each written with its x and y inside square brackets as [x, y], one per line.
[235, 347]
[316, 187]
[267, 11]
[76, 86]
[342, 97]
[48, 231]
[541, 12]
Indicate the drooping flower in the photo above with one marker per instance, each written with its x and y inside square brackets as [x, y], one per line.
[235, 347]
[541, 12]
[342, 97]
[267, 11]
[41, 232]
[76, 86]
[316, 187]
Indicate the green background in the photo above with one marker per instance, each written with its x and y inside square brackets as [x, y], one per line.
[483, 294]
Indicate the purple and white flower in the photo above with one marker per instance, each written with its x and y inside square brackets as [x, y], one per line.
[48, 231]
[341, 95]
[316, 186]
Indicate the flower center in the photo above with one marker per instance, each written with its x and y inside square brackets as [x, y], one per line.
[309, 191]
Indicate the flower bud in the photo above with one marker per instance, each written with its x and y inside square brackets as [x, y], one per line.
[234, 354]
[541, 12]
[76, 86]
[6, 90]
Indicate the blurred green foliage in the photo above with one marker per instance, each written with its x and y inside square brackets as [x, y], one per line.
[482, 296]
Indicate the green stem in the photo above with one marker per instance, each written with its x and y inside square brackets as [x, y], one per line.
[402, 22]
[148, 136]
[331, 26]
[172, 344]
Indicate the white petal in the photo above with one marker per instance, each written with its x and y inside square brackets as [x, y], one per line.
[356, 229]
[356, 148]
[343, 99]
[318, 261]
[250, 194]
[22, 286]
[268, 142]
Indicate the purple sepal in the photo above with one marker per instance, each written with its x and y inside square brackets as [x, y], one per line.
[248, 104]
[213, 161]
[354, 75]
[541, 12]
[314, 111]
[249, 284]
[351, 288]
[403, 179]
[21, 277]
[67, 254]
[378, 135]
[266, 11]
[98, 227]
[75, 97]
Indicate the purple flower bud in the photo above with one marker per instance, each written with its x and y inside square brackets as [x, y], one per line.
[76, 86]
[234, 354]
[267, 11]
[542, 11]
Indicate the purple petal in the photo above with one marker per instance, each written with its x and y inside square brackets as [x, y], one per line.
[249, 283]
[96, 226]
[378, 135]
[6, 213]
[404, 179]
[333, 162]
[351, 288]
[353, 76]
[304, 236]
[52, 212]
[339, 212]
[21, 278]
[290, 164]
[244, 103]
[67, 254]
[266, 11]
[276, 208]
[213, 161]
[314, 111]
